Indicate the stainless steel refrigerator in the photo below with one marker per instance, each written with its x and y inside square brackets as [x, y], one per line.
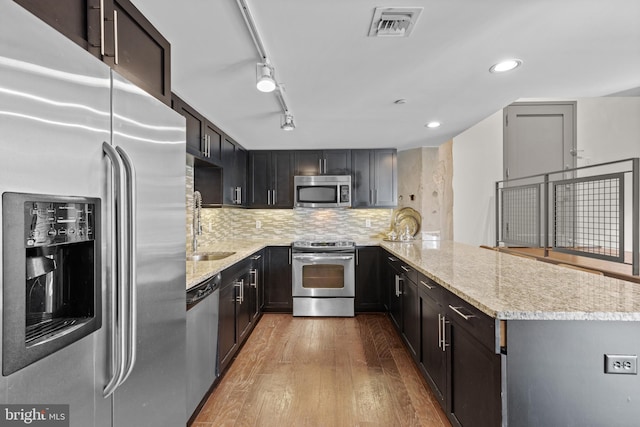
[72, 128]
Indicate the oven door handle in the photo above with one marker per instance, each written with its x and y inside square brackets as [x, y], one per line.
[322, 258]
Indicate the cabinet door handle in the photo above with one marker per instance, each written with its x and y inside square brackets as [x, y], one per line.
[405, 268]
[426, 284]
[254, 281]
[461, 314]
[439, 331]
[102, 27]
[398, 291]
[392, 259]
[238, 284]
[256, 257]
[443, 323]
[115, 35]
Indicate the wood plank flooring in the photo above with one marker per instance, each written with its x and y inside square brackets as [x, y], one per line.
[330, 372]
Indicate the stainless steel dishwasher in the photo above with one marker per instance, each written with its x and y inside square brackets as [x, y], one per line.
[203, 302]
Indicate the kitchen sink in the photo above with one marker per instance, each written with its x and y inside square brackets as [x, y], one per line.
[209, 256]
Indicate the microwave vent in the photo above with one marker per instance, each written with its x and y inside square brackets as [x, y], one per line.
[393, 21]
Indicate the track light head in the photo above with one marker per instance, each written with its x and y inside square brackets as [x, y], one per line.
[287, 122]
[265, 81]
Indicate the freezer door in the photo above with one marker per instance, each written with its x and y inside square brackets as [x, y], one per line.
[153, 137]
[54, 116]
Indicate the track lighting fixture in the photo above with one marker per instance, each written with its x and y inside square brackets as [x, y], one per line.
[264, 77]
[287, 122]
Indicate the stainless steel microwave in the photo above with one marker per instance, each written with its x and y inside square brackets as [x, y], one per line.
[322, 191]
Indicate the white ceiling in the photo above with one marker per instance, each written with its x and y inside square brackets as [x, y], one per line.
[341, 85]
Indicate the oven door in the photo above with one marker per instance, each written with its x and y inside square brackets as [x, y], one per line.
[324, 275]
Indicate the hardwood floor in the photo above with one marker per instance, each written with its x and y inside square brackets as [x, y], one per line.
[322, 372]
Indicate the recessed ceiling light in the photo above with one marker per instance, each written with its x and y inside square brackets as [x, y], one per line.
[433, 125]
[506, 65]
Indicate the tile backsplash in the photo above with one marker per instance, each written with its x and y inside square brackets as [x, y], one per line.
[288, 224]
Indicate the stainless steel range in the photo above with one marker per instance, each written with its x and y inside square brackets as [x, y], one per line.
[324, 278]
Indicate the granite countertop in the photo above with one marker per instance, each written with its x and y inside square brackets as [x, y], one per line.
[514, 288]
[501, 285]
[198, 271]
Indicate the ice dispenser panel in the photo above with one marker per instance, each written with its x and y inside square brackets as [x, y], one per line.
[51, 275]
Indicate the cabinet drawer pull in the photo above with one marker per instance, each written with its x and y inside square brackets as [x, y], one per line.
[405, 268]
[392, 259]
[426, 284]
[461, 314]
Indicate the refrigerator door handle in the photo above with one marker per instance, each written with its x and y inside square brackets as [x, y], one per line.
[118, 338]
[131, 250]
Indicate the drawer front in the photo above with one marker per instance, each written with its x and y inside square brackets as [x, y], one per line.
[477, 323]
[428, 287]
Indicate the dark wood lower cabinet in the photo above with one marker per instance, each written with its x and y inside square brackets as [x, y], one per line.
[277, 284]
[433, 360]
[239, 307]
[394, 289]
[452, 342]
[227, 336]
[411, 317]
[474, 396]
[369, 290]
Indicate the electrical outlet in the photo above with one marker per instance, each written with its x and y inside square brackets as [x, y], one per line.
[621, 364]
[258, 224]
[367, 223]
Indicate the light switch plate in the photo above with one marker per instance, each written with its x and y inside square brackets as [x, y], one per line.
[621, 364]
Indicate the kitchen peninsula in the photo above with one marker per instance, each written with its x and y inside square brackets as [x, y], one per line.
[542, 330]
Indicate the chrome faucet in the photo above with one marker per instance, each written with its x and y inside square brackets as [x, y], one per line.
[197, 223]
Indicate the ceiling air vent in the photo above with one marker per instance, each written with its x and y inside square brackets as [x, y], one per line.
[394, 21]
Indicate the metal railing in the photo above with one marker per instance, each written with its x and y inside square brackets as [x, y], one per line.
[591, 211]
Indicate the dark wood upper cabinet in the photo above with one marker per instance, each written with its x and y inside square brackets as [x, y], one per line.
[79, 20]
[204, 139]
[270, 179]
[374, 182]
[135, 49]
[234, 166]
[126, 41]
[323, 162]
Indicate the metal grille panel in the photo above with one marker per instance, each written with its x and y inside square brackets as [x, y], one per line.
[521, 215]
[589, 216]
